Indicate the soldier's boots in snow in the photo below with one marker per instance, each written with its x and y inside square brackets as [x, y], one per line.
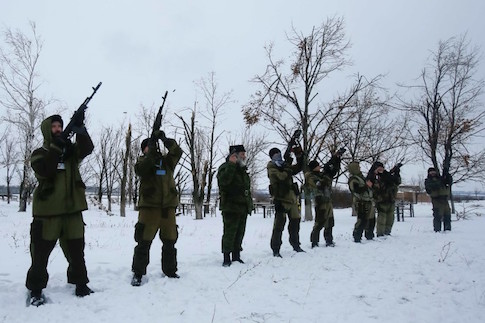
[83, 290]
[37, 298]
[276, 253]
[236, 256]
[136, 280]
[227, 259]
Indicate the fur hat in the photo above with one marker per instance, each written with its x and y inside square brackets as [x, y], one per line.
[236, 149]
[431, 169]
[377, 164]
[313, 164]
[274, 151]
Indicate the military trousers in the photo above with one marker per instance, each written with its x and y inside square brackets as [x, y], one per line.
[44, 233]
[323, 219]
[365, 216]
[234, 227]
[385, 218]
[441, 214]
[281, 211]
[151, 221]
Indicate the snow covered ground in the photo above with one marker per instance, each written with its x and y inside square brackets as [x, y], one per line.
[415, 275]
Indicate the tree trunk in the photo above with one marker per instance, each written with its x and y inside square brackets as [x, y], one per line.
[23, 196]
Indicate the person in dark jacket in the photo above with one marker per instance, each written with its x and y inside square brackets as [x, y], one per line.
[235, 202]
[285, 196]
[58, 201]
[384, 189]
[438, 188]
[157, 204]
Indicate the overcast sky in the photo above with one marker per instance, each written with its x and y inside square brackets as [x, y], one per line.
[139, 49]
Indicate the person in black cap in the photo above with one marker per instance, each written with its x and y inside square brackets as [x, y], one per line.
[236, 202]
[57, 206]
[319, 184]
[285, 194]
[438, 188]
[157, 203]
[384, 189]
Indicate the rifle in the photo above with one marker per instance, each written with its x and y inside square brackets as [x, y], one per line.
[397, 167]
[293, 141]
[157, 124]
[77, 118]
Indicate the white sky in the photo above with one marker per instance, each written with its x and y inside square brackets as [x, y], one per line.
[139, 49]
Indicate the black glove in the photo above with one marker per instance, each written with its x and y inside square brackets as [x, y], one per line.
[297, 151]
[78, 118]
[160, 134]
[79, 130]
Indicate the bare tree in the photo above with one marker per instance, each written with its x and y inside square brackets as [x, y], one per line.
[373, 130]
[9, 159]
[286, 100]
[109, 159]
[449, 113]
[124, 175]
[214, 105]
[19, 84]
[198, 165]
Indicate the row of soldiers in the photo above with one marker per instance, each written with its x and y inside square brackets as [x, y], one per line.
[59, 200]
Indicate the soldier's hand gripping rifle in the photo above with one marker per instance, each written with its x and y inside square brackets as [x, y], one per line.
[157, 124]
[396, 168]
[294, 142]
[76, 125]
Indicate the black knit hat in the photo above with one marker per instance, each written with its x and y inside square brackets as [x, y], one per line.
[431, 169]
[313, 164]
[377, 164]
[57, 118]
[144, 143]
[273, 151]
[236, 149]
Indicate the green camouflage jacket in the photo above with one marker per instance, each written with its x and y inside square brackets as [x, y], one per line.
[61, 189]
[156, 172]
[234, 189]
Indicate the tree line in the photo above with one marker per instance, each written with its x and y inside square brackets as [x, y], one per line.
[437, 120]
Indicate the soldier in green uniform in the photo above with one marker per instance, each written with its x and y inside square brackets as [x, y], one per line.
[235, 202]
[361, 200]
[384, 188]
[320, 185]
[157, 204]
[285, 198]
[58, 202]
[438, 188]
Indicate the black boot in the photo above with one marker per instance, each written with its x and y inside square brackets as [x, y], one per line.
[236, 256]
[36, 298]
[83, 290]
[276, 253]
[227, 259]
[136, 280]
